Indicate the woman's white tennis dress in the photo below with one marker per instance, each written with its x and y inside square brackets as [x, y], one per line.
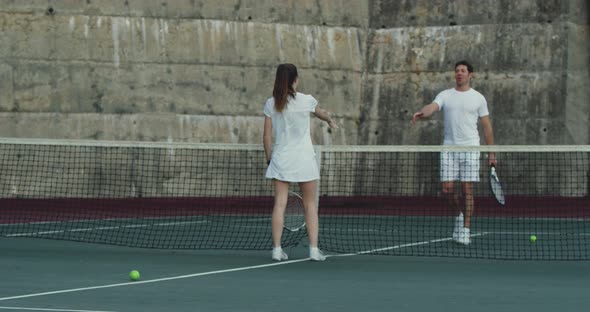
[293, 157]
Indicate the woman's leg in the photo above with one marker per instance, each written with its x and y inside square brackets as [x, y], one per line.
[309, 194]
[278, 211]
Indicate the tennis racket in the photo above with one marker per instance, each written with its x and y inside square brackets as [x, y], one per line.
[294, 213]
[496, 186]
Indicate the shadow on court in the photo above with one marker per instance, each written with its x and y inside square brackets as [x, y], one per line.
[65, 276]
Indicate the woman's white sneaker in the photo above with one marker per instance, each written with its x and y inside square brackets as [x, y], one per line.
[278, 254]
[458, 227]
[316, 254]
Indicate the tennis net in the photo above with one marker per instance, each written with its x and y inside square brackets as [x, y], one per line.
[372, 199]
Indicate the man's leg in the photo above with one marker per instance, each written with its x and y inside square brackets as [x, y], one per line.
[448, 189]
[453, 201]
[449, 172]
[469, 175]
[469, 205]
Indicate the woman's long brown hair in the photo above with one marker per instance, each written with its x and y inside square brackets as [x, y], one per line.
[286, 76]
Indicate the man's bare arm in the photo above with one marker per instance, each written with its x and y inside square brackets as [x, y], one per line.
[488, 135]
[425, 112]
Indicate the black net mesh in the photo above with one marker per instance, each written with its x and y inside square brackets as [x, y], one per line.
[373, 200]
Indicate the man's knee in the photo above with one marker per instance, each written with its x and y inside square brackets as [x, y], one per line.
[447, 188]
[468, 189]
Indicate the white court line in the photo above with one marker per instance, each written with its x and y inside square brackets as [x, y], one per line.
[129, 219]
[103, 228]
[34, 233]
[55, 310]
[221, 272]
[401, 246]
[225, 271]
[389, 231]
[537, 233]
[154, 280]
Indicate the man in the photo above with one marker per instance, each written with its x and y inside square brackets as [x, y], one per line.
[462, 107]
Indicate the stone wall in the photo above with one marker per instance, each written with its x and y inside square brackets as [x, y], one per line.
[200, 70]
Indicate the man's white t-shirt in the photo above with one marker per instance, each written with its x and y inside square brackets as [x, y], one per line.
[293, 156]
[462, 110]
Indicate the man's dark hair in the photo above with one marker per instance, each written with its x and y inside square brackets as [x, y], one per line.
[469, 66]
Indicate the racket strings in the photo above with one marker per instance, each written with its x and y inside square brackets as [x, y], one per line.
[294, 212]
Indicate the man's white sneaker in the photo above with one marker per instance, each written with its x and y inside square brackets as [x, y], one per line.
[458, 227]
[278, 254]
[316, 254]
[464, 237]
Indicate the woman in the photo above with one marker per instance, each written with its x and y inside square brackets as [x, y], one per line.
[292, 158]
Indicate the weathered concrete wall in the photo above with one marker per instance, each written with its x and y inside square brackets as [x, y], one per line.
[520, 52]
[200, 71]
[577, 112]
[421, 13]
[332, 13]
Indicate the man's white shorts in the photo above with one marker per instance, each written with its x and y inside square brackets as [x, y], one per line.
[459, 166]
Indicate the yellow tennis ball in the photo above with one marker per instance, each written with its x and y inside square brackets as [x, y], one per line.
[533, 238]
[134, 275]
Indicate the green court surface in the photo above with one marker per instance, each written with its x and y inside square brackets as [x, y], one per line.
[48, 275]
[493, 238]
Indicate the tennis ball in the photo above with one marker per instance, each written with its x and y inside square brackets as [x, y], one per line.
[134, 275]
[533, 238]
